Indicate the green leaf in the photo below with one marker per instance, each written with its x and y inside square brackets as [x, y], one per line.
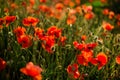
[88, 3]
[98, 4]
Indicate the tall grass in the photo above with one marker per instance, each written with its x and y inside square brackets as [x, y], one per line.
[48, 52]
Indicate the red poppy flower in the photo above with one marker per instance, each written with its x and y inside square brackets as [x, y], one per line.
[81, 60]
[48, 43]
[78, 9]
[54, 31]
[79, 46]
[59, 7]
[38, 77]
[71, 19]
[107, 26]
[83, 37]
[118, 23]
[111, 14]
[58, 15]
[19, 31]
[23, 3]
[32, 70]
[71, 12]
[103, 1]
[44, 8]
[39, 32]
[105, 11]
[118, 17]
[83, 46]
[1, 23]
[101, 59]
[73, 70]
[94, 61]
[14, 6]
[117, 59]
[62, 40]
[87, 9]
[30, 21]
[2, 64]
[66, 2]
[89, 16]
[85, 57]
[29, 9]
[32, 2]
[6, 10]
[9, 19]
[78, 1]
[87, 54]
[25, 41]
[71, 4]
[91, 46]
[76, 44]
[43, 1]
[50, 12]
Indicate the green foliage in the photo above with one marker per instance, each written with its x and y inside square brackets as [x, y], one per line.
[55, 64]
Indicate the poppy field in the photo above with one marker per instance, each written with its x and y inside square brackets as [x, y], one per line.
[59, 40]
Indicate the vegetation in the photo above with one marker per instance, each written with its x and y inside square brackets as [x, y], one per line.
[59, 40]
